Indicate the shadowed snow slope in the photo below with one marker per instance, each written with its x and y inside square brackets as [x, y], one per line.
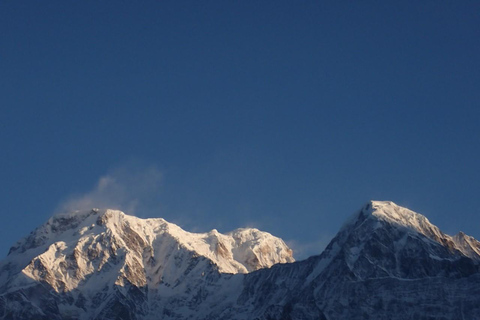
[386, 262]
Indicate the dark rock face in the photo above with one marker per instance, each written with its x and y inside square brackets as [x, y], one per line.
[372, 269]
[386, 263]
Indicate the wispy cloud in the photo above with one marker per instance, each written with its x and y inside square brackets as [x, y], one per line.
[303, 250]
[131, 187]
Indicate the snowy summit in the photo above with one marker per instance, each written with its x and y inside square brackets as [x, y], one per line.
[104, 264]
[86, 241]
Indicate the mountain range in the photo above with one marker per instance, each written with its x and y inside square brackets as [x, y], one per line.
[386, 262]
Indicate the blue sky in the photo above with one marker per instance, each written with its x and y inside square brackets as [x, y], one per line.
[286, 116]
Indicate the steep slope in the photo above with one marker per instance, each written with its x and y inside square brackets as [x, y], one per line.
[386, 262]
[387, 240]
[98, 261]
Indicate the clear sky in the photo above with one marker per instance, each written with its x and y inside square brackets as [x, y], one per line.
[286, 116]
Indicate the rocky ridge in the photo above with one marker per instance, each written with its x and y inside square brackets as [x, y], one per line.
[385, 262]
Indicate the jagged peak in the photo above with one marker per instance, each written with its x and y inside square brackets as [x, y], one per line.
[241, 251]
[390, 212]
[52, 228]
[461, 234]
[386, 215]
[239, 232]
[468, 245]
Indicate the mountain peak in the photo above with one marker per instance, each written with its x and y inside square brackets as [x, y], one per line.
[387, 240]
[105, 264]
[94, 239]
[394, 214]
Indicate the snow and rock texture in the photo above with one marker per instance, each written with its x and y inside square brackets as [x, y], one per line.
[387, 262]
[109, 263]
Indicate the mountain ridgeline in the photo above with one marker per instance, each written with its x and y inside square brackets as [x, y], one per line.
[386, 262]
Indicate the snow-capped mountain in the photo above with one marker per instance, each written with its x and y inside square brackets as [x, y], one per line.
[386, 262]
[90, 257]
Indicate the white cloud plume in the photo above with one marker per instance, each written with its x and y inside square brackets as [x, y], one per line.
[129, 188]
